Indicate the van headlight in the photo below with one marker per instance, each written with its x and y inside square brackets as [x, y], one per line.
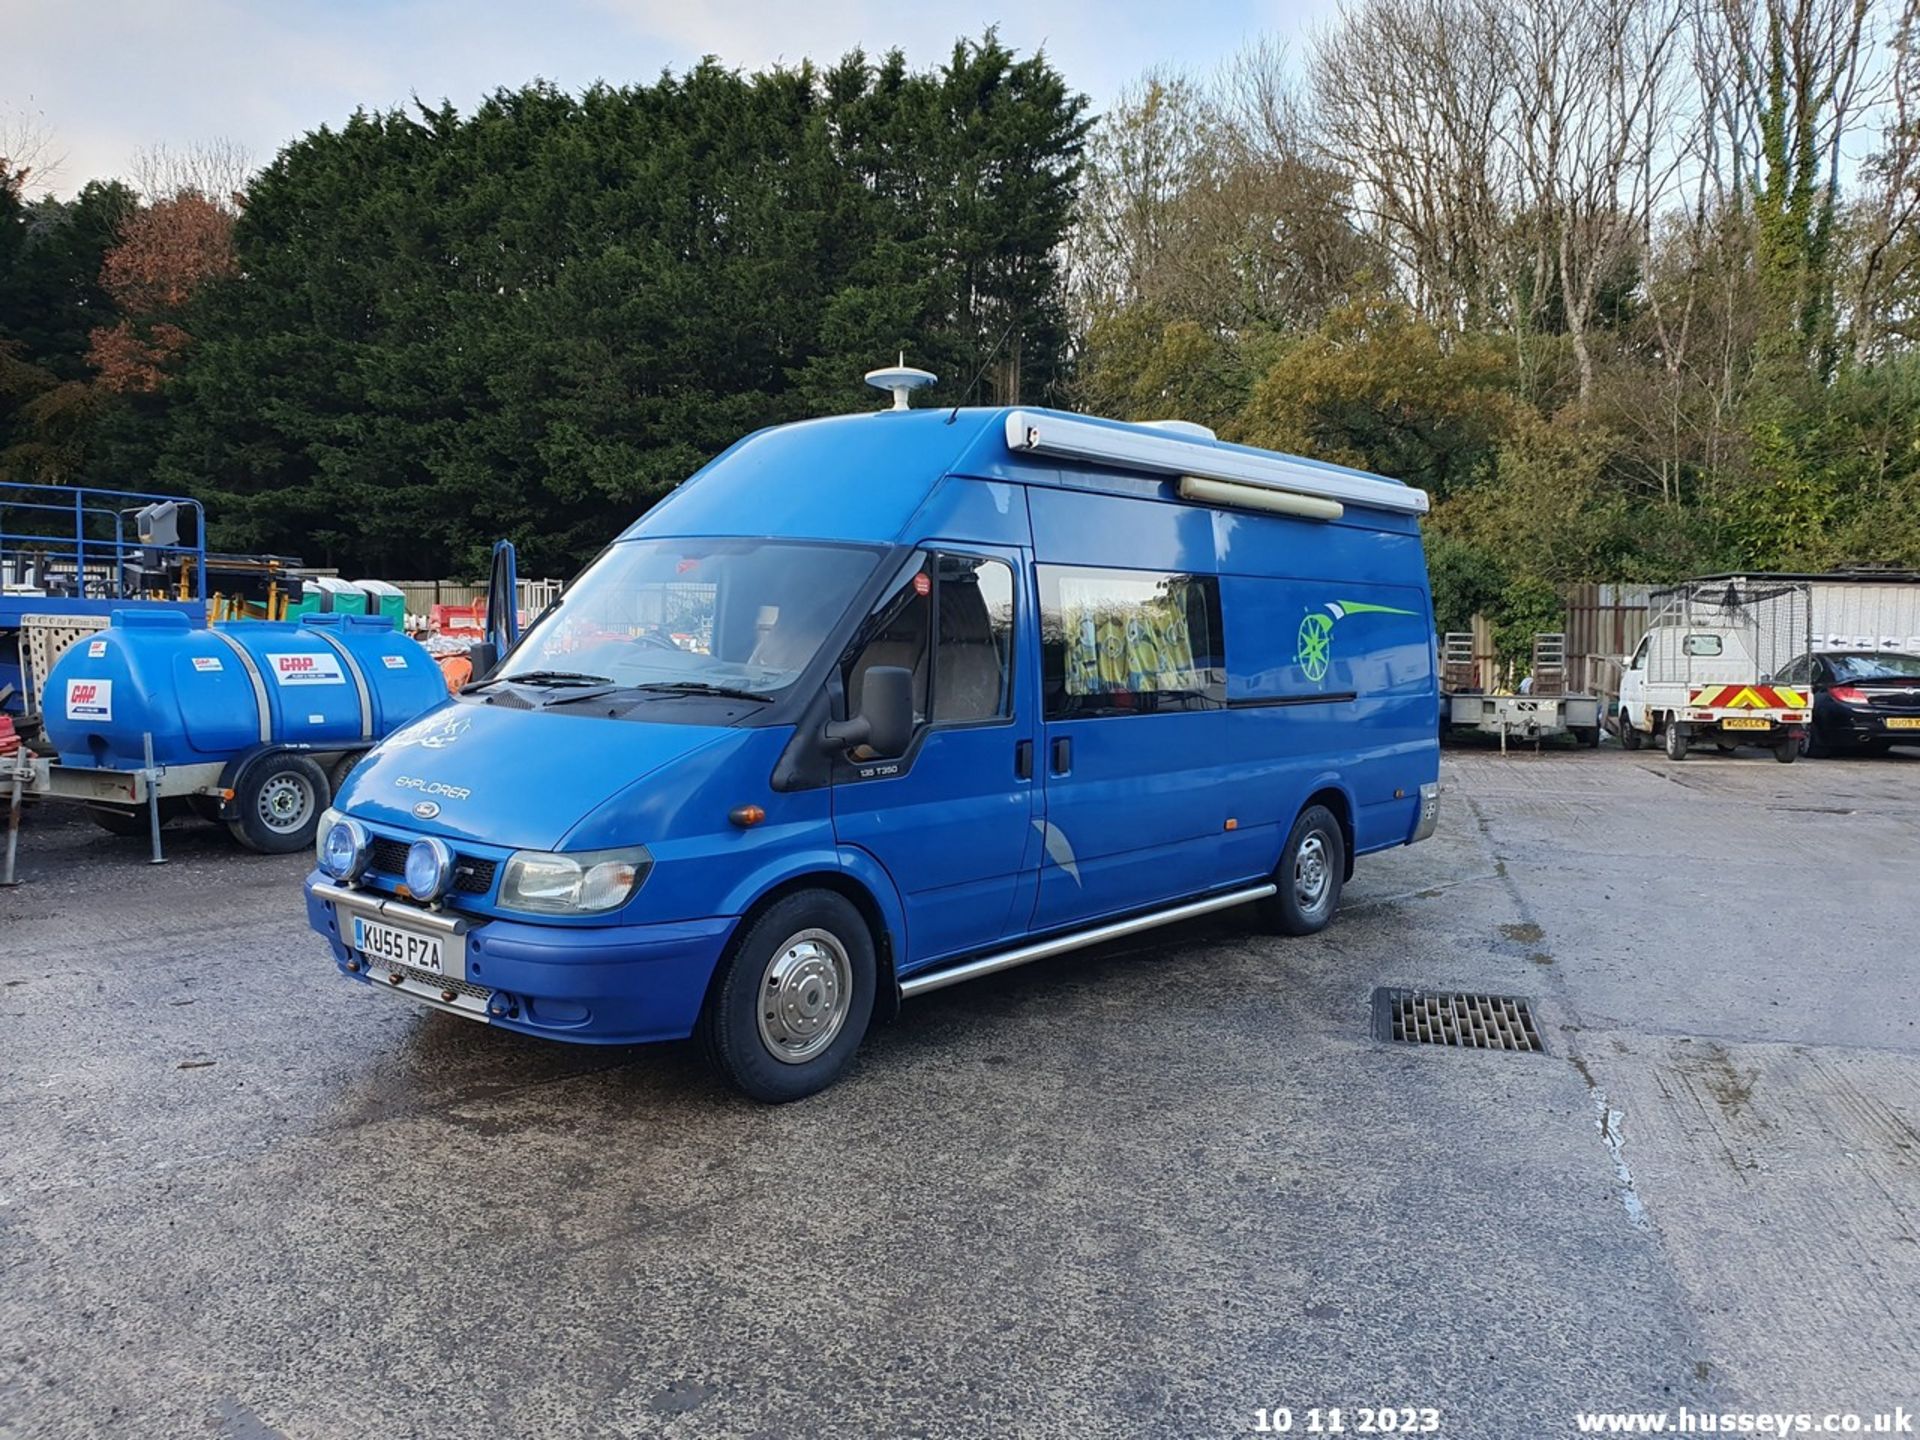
[587, 883]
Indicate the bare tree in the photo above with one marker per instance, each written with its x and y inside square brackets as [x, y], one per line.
[27, 147]
[1413, 96]
[1887, 222]
[1796, 83]
[216, 170]
[1597, 148]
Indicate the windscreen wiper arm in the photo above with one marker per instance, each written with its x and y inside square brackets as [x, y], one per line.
[541, 677]
[701, 687]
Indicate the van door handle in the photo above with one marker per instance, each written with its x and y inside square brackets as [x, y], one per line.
[1062, 755]
[1023, 760]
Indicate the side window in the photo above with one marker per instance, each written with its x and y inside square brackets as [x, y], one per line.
[973, 652]
[1797, 672]
[1704, 647]
[897, 633]
[963, 671]
[1129, 642]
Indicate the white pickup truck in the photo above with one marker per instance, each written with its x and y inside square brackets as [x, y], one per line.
[1701, 672]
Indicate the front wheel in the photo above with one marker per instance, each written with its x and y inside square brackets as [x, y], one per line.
[1676, 741]
[1630, 738]
[794, 998]
[1309, 875]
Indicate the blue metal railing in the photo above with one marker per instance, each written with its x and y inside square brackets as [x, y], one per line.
[72, 542]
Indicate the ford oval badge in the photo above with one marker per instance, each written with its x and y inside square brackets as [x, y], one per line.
[425, 810]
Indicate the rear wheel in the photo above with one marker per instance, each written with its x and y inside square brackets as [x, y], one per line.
[277, 801]
[1787, 751]
[794, 998]
[1630, 738]
[1309, 875]
[1676, 740]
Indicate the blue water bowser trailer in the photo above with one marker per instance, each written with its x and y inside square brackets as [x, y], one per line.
[254, 724]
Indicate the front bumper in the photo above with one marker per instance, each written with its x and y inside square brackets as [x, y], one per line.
[596, 985]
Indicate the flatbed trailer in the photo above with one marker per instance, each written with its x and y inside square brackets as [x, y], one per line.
[1545, 709]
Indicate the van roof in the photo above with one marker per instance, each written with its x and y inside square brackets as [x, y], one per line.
[864, 476]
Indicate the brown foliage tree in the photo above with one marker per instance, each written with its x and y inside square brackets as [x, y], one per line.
[166, 252]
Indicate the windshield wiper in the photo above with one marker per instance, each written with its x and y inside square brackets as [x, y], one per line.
[701, 687]
[542, 677]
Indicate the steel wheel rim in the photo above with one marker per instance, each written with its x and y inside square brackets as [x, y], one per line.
[286, 800]
[805, 994]
[1312, 872]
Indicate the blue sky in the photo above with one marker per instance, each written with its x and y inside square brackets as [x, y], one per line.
[109, 77]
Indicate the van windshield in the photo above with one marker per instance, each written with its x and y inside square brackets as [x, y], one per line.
[742, 615]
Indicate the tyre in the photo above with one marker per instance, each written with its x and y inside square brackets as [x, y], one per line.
[793, 999]
[1309, 875]
[1587, 737]
[341, 768]
[115, 820]
[1676, 740]
[1787, 751]
[1630, 738]
[277, 801]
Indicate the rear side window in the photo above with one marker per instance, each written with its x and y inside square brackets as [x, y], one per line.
[1129, 642]
[1702, 647]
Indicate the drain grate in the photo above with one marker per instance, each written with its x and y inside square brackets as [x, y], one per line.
[1471, 1022]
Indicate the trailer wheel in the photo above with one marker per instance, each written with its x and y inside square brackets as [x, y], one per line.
[1676, 737]
[115, 820]
[337, 773]
[277, 802]
[793, 997]
[1787, 751]
[1309, 875]
[1587, 736]
[1630, 738]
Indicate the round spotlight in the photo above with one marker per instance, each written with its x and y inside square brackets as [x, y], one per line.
[344, 849]
[429, 868]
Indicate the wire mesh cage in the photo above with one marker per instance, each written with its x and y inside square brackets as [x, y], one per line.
[1728, 629]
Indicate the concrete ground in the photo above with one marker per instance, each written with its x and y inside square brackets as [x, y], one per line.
[1142, 1191]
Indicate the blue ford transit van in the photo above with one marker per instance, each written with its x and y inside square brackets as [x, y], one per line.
[879, 703]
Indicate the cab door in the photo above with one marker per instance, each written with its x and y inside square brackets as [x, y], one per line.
[951, 820]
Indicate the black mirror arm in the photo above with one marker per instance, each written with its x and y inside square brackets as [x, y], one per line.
[845, 734]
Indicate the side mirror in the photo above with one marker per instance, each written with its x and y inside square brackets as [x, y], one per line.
[483, 655]
[885, 721]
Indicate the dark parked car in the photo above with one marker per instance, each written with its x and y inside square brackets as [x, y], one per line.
[1862, 699]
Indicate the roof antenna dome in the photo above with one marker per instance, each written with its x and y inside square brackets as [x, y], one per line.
[902, 380]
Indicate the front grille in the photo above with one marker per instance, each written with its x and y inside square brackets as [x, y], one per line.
[441, 982]
[389, 857]
[1471, 1022]
[472, 874]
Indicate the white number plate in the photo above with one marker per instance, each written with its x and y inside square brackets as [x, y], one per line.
[396, 946]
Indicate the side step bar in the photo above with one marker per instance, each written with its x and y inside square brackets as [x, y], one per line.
[1080, 939]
